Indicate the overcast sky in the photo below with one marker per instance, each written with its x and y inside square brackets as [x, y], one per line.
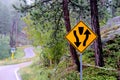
[30, 1]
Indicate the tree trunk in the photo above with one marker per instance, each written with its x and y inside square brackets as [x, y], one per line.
[73, 52]
[95, 26]
[12, 35]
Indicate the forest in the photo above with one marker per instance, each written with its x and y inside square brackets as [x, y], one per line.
[43, 24]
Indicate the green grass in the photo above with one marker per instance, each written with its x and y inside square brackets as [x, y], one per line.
[32, 72]
[36, 71]
[29, 74]
[19, 53]
[88, 56]
[90, 73]
[14, 61]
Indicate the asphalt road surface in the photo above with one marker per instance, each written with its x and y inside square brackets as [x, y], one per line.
[9, 72]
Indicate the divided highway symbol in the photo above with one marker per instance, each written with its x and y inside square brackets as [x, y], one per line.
[77, 42]
[87, 33]
[81, 36]
[81, 30]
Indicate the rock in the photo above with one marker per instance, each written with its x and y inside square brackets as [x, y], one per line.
[111, 29]
[114, 21]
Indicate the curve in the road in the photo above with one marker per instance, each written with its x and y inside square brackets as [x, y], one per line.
[9, 72]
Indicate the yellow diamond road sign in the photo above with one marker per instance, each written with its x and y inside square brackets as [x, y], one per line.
[81, 36]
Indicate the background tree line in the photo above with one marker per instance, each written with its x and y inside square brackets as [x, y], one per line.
[10, 26]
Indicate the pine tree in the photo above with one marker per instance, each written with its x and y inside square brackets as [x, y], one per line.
[68, 28]
[95, 26]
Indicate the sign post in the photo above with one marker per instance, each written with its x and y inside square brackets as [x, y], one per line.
[12, 56]
[80, 37]
[80, 66]
[12, 51]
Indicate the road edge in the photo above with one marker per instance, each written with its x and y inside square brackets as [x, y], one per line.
[16, 74]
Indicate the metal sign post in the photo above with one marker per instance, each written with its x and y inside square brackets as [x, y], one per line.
[81, 36]
[80, 66]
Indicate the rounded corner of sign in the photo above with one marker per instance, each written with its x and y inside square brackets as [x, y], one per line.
[81, 21]
[66, 36]
[80, 52]
[95, 37]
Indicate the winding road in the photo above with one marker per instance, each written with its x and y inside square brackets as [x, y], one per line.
[9, 72]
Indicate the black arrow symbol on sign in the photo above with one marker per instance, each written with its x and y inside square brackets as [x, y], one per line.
[77, 43]
[87, 33]
[81, 30]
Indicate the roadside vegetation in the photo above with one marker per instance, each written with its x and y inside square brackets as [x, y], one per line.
[66, 71]
[48, 21]
[18, 56]
[4, 47]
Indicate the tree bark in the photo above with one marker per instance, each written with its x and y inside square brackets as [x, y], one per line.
[13, 35]
[73, 52]
[95, 26]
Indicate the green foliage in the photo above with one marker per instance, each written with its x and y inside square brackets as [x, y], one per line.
[73, 76]
[4, 47]
[39, 74]
[92, 74]
[111, 52]
[19, 53]
[98, 74]
[45, 28]
[118, 12]
[49, 36]
[88, 56]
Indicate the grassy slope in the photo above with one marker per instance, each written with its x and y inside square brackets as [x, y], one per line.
[111, 57]
[32, 72]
